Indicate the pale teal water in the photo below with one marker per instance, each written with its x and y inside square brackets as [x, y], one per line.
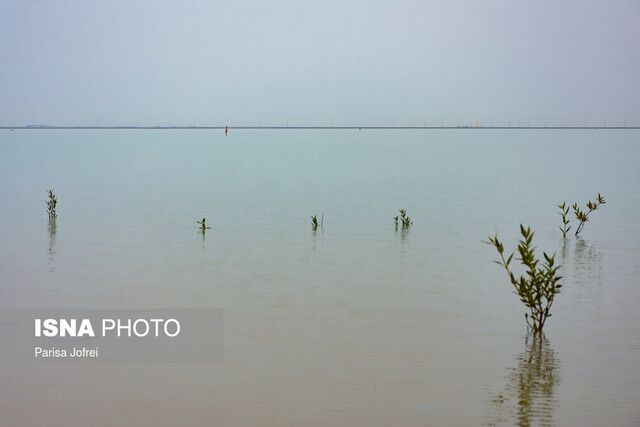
[353, 324]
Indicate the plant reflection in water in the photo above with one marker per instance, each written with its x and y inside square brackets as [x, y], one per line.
[529, 398]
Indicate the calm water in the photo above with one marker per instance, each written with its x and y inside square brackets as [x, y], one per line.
[355, 324]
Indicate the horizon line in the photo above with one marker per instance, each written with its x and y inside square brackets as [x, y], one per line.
[45, 127]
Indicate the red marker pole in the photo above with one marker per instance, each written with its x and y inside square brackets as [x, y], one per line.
[226, 128]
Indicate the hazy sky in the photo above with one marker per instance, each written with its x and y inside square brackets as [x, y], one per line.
[319, 62]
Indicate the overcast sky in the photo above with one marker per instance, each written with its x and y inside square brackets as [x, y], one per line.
[319, 62]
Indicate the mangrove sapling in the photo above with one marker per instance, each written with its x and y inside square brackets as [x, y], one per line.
[203, 226]
[314, 222]
[564, 211]
[402, 219]
[539, 286]
[584, 216]
[51, 205]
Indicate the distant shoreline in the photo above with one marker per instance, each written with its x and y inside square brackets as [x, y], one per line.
[42, 127]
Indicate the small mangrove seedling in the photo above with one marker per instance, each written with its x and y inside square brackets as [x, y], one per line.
[539, 286]
[582, 216]
[564, 211]
[402, 219]
[203, 225]
[51, 205]
[314, 222]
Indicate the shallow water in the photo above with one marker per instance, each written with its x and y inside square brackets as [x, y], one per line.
[355, 323]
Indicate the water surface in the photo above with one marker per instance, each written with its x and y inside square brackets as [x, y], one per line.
[356, 323]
